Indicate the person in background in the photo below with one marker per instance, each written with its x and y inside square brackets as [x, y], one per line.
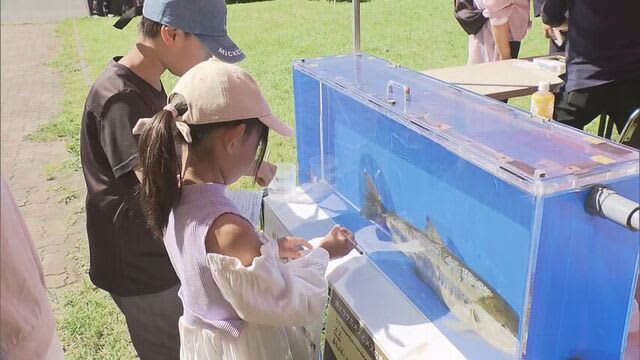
[500, 37]
[603, 60]
[96, 7]
[110, 7]
[557, 36]
[27, 325]
[468, 16]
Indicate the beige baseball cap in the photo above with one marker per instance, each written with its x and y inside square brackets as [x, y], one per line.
[219, 92]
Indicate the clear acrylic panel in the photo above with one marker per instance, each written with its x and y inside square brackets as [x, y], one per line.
[498, 137]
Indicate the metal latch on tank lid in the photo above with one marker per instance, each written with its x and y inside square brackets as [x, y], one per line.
[605, 202]
[406, 91]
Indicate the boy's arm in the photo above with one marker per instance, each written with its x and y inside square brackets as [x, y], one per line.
[266, 173]
[119, 144]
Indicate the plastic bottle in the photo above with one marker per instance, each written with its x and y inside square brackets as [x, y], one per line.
[542, 102]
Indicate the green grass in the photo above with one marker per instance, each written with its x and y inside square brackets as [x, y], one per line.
[414, 33]
[90, 326]
[417, 34]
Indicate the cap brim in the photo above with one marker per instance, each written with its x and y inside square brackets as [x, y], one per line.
[276, 125]
[222, 47]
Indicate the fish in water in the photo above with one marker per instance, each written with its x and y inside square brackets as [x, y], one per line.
[463, 291]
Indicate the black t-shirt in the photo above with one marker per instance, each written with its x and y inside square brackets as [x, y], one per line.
[603, 44]
[125, 258]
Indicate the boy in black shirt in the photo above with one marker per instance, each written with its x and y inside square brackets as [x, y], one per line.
[125, 259]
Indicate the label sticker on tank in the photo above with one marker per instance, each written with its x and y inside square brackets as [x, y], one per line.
[593, 140]
[602, 159]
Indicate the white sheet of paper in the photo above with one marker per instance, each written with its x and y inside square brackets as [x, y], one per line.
[248, 202]
[558, 36]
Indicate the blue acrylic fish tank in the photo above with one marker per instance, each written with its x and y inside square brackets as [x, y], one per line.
[479, 207]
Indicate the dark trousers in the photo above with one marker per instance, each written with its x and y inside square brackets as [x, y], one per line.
[96, 7]
[114, 7]
[104, 7]
[514, 46]
[153, 323]
[579, 107]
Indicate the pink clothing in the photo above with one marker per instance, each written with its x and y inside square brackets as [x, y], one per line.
[27, 329]
[482, 48]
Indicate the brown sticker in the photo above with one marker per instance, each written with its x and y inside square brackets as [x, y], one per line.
[602, 159]
[526, 168]
[573, 169]
[612, 149]
[593, 140]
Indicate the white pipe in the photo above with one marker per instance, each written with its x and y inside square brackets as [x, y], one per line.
[610, 205]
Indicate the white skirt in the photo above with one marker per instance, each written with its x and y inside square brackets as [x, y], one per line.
[256, 342]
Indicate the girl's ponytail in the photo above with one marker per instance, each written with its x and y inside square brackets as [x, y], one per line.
[161, 167]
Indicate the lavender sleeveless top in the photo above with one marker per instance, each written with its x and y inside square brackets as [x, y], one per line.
[199, 206]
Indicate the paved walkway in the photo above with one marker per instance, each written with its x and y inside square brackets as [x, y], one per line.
[31, 94]
[41, 11]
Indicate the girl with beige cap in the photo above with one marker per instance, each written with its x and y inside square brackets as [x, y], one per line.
[240, 300]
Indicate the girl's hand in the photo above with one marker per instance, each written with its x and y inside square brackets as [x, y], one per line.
[291, 247]
[338, 242]
[266, 173]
